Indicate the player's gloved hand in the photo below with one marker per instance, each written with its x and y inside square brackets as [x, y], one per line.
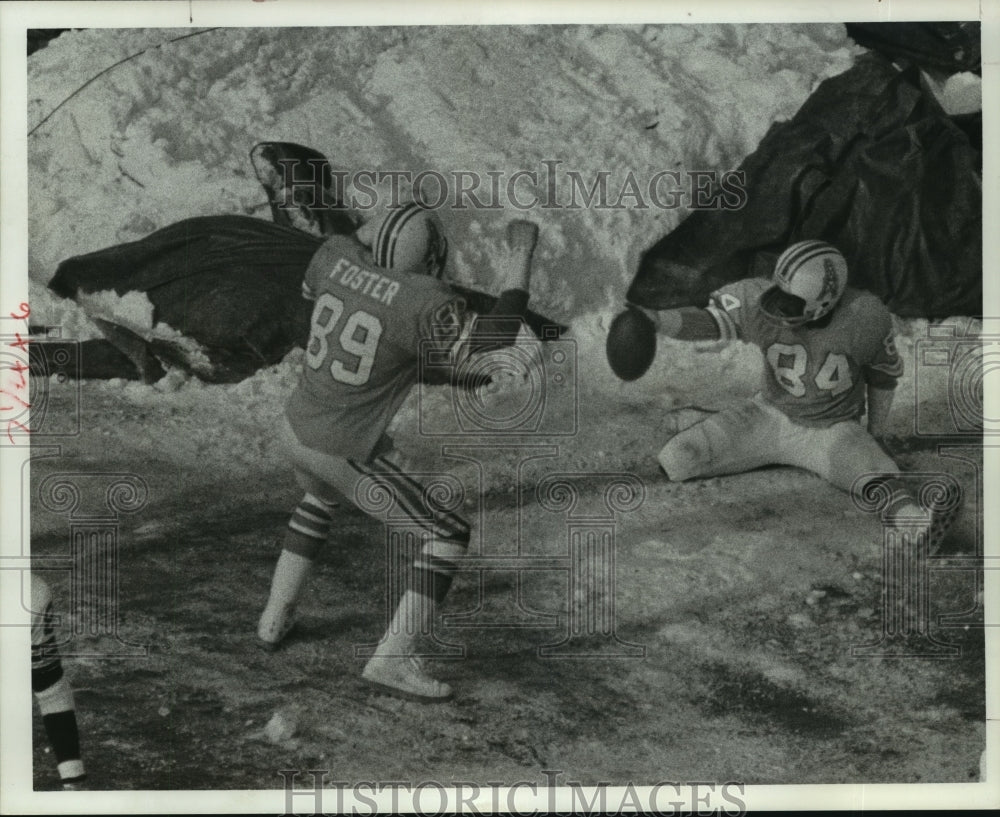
[511, 372]
[522, 235]
[515, 268]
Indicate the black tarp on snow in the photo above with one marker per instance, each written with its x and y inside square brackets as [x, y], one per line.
[869, 163]
[232, 283]
[941, 46]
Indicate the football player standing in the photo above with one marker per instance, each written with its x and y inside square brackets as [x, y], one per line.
[830, 358]
[379, 301]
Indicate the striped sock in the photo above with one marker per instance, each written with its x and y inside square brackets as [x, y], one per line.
[311, 517]
[308, 527]
[59, 718]
[432, 577]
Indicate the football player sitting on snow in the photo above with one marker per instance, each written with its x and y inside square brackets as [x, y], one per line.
[380, 305]
[829, 353]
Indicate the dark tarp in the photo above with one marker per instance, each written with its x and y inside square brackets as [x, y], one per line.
[869, 163]
[944, 46]
[232, 283]
[941, 49]
[38, 38]
[301, 189]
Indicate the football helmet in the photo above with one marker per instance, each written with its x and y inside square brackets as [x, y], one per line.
[411, 239]
[809, 280]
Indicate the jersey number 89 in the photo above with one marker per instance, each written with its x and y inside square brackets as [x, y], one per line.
[359, 338]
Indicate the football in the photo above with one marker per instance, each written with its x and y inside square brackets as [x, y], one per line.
[631, 344]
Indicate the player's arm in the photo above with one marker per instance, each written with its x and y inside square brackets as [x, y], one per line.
[501, 325]
[631, 343]
[684, 323]
[879, 406]
[882, 371]
[322, 261]
[880, 388]
[308, 292]
[457, 334]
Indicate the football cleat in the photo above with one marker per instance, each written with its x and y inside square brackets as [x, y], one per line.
[405, 677]
[411, 239]
[75, 783]
[809, 280]
[274, 628]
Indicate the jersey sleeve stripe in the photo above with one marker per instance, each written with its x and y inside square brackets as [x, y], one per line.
[893, 368]
[727, 326]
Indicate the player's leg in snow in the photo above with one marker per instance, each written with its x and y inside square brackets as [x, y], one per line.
[846, 455]
[707, 444]
[907, 512]
[308, 529]
[52, 689]
[396, 666]
[915, 511]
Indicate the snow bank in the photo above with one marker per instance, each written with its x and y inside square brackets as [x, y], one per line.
[166, 135]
